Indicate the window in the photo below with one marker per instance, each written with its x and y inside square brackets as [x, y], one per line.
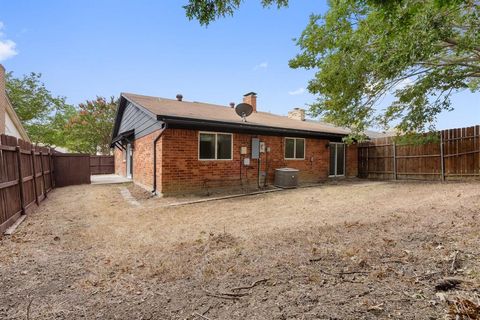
[215, 146]
[295, 148]
[337, 159]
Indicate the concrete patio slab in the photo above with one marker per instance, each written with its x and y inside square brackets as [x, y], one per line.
[108, 179]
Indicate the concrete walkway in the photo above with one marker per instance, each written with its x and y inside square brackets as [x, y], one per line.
[108, 179]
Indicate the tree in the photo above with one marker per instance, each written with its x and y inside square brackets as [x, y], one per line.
[43, 115]
[422, 51]
[90, 129]
[206, 11]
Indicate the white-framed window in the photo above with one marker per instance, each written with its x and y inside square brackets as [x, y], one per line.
[294, 149]
[337, 159]
[215, 146]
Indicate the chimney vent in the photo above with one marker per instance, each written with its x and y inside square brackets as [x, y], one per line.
[297, 114]
[232, 104]
[251, 99]
[179, 97]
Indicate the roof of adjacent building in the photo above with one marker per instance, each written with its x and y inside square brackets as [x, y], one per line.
[166, 109]
[7, 108]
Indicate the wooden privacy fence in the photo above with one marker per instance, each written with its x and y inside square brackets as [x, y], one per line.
[456, 155]
[26, 176]
[71, 169]
[102, 165]
[28, 173]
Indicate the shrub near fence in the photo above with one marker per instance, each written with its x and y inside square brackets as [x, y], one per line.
[26, 176]
[456, 155]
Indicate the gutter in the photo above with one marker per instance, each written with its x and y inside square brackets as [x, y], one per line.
[188, 123]
[164, 127]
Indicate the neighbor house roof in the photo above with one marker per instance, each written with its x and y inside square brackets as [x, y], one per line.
[9, 122]
[198, 115]
[16, 121]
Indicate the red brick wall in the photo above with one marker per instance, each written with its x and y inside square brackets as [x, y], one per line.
[182, 171]
[120, 164]
[142, 173]
[179, 170]
[143, 161]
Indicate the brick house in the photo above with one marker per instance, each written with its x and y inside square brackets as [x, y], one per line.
[174, 146]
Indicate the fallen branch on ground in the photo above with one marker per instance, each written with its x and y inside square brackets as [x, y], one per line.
[201, 316]
[28, 308]
[225, 295]
[255, 283]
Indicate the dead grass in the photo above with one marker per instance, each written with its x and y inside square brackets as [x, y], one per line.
[349, 251]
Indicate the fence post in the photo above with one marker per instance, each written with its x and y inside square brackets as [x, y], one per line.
[43, 175]
[394, 161]
[442, 160]
[20, 178]
[32, 152]
[368, 165]
[50, 168]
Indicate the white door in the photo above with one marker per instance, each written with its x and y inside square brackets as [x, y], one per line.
[129, 160]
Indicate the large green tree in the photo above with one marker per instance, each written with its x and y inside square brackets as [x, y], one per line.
[421, 51]
[90, 130]
[43, 115]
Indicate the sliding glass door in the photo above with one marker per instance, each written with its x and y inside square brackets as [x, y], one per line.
[337, 159]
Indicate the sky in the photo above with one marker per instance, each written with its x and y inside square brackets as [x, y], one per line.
[95, 48]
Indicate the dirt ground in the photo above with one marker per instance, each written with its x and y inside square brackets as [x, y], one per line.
[356, 250]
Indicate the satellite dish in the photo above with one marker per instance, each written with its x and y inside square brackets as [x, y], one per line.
[244, 110]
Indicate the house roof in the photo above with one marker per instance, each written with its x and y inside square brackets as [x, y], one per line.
[6, 110]
[170, 110]
[16, 121]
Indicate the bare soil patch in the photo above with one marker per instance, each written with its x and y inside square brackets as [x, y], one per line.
[367, 250]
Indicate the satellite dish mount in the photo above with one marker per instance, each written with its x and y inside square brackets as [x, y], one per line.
[244, 110]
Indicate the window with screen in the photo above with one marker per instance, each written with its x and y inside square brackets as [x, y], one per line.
[215, 146]
[295, 148]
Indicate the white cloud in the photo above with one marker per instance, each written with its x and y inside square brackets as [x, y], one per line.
[263, 65]
[297, 92]
[7, 47]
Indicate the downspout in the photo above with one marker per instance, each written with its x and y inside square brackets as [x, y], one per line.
[164, 127]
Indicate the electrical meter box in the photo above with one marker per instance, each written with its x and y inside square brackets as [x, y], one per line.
[262, 147]
[255, 148]
[243, 150]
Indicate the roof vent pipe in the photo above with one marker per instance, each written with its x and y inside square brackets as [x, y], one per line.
[179, 97]
[232, 104]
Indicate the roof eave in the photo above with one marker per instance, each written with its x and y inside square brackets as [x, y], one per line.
[202, 124]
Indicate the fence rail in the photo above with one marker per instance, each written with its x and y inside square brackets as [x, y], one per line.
[456, 155]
